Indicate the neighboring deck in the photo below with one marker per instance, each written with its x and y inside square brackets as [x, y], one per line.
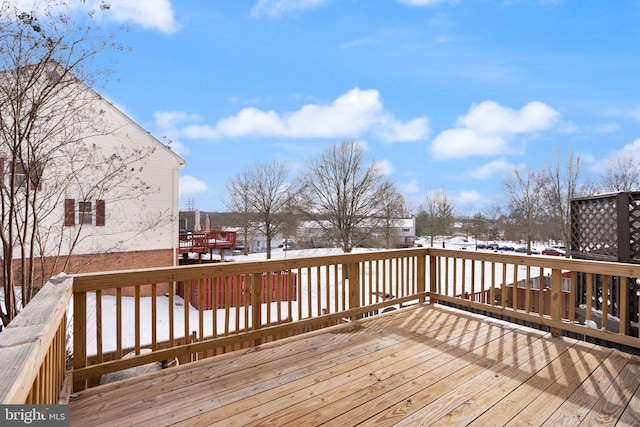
[205, 243]
[428, 365]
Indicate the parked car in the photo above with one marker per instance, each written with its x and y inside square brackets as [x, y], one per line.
[523, 250]
[553, 252]
[506, 248]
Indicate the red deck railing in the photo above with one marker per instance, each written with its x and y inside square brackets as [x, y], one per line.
[206, 242]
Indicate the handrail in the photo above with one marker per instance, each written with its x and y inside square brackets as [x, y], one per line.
[260, 301]
[33, 348]
[591, 298]
[287, 297]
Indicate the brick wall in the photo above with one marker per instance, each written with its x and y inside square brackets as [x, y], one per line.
[120, 261]
[102, 263]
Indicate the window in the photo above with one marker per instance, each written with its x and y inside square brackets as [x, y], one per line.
[87, 212]
[20, 177]
[22, 171]
[406, 230]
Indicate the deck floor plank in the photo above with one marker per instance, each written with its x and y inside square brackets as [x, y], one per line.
[487, 391]
[357, 407]
[220, 384]
[341, 363]
[420, 365]
[582, 400]
[360, 381]
[427, 399]
[538, 410]
[607, 411]
[555, 372]
[631, 414]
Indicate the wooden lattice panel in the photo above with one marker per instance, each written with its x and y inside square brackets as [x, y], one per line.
[606, 227]
[594, 228]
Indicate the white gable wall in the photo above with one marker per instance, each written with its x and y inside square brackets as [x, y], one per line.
[135, 220]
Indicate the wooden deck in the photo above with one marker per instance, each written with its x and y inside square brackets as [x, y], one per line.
[423, 365]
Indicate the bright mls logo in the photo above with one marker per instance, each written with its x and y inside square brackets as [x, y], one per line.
[34, 415]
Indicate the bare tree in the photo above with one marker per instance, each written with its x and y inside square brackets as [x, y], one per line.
[239, 202]
[526, 202]
[562, 183]
[621, 174]
[48, 113]
[263, 191]
[437, 214]
[341, 195]
[494, 215]
[392, 208]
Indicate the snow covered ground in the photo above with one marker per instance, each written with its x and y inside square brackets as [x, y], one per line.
[236, 316]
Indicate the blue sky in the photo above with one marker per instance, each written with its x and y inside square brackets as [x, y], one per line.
[449, 95]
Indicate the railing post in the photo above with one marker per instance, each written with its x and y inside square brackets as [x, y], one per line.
[353, 274]
[421, 274]
[80, 336]
[556, 299]
[433, 276]
[256, 304]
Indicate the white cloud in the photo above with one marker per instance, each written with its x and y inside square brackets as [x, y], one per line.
[190, 185]
[279, 7]
[168, 125]
[249, 121]
[635, 114]
[384, 167]
[628, 151]
[490, 118]
[492, 168]
[171, 119]
[364, 145]
[149, 14]
[457, 143]
[632, 149]
[351, 116]
[468, 197]
[358, 42]
[413, 130]
[487, 128]
[445, 38]
[567, 128]
[607, 128]
[411, 187]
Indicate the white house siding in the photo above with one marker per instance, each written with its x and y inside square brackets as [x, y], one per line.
[133, 223]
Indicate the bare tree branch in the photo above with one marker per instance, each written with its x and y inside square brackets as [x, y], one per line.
[341, 195]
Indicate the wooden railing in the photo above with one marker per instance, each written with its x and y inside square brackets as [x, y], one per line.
[33, 349]
[128, 312]
[263, 301]
[590, 298]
